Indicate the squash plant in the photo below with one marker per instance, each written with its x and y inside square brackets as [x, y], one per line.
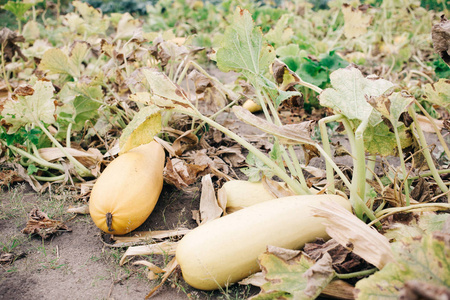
[359, 103]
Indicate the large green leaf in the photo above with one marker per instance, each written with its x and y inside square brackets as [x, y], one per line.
[242, 49]
[349, 92]
[426, 260]
[31, 109]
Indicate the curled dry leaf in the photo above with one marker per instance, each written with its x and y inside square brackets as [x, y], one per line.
[356, 20]
[440, 33]
[140, 237]
[181, 174]
[163, 248]
[39, 223]
[8, 39]
[82, 210]
[171, 266]
[349, 231]
[209, 207]
[8, 177]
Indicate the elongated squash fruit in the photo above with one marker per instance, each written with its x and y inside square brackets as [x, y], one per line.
[224, 251]
[127, 191]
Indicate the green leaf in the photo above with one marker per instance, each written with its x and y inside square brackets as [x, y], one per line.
[141, 130]
[55, 61]
[379, 140]
[256, 169]
[17, 8]
[77, 55]
[426, 259]
[38, 107]
[349, 92]
[32, 169]
[85, 109]
[242, 49]
[438, 93]
[300, 276]
[391, 105]
[164, 92]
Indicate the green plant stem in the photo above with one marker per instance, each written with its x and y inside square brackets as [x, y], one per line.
[80, 169]
[298, 168]
[46, 178]
[69, 129]
[357, 203]
[327, 149]
[426, 174]
[426, 152]
[292, 162]
[294, 185]
[359, 178]
[37, 160]
[402, 162]
[310, 86]
[436, 129]
[421, 206]
[356, 274]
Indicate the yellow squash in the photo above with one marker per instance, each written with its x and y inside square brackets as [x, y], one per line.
[127, 191]
[225, 250]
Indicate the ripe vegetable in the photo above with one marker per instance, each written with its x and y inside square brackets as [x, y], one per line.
[251, 106]
[225, 250]
[127, 191]
[255, 192]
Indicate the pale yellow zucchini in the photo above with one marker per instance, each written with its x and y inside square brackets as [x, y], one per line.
[225, 250]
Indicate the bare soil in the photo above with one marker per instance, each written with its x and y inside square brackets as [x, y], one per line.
[77, 264]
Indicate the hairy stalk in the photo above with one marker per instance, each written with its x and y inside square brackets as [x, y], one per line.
[426, 152]
[356, 274]
[294, 185]
[49, 179]
[414, 207]
[80, 169]
[36, 159]
[359, 178]
[402, 163]
[436, 129]
[327, 149]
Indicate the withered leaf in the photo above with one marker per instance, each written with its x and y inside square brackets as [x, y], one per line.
[39, 223]
[422, 191]
[181, 174]
[416, 289]
[8, 39]
[440, 33]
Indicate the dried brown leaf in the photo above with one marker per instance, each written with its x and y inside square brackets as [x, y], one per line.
[8, 177]
[209, 208]
[39, 223]
[349, 231]
[277, 189]
[181, 174]
[440, 34]
[8, 40]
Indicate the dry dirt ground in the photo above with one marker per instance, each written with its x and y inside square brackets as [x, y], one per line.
[76, 264]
